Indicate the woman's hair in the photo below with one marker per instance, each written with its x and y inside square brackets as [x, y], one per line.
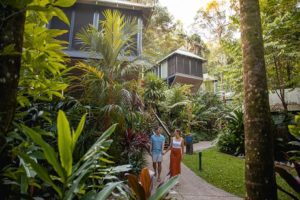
[178, 131]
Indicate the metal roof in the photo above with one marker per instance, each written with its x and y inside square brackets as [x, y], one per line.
[146, 9]
[118, 3]
[182, 52]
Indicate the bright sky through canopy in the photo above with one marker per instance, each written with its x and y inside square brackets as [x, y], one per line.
[184, 10]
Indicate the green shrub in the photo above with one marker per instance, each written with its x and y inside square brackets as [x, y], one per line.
[232, 139]
[51, 171]
[227, 143]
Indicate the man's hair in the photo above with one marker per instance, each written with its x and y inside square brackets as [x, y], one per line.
[158, 127]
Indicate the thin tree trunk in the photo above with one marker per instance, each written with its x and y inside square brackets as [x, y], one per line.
[281, 86]
[259, 161]
[11, 35]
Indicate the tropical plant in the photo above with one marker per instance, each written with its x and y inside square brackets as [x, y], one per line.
[208, 111]
[135, 147]
[231, 139]
[13, 14]
[177, 107]
[107, 88]
[293, 181]
[154, 91]
[64, 176]
[142, 186]
[111, 43]
[36, 68]
[103, 80]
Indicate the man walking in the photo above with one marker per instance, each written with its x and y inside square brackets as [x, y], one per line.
[157, 143]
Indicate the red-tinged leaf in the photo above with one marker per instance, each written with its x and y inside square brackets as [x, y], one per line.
[136, 187]
[146, 181]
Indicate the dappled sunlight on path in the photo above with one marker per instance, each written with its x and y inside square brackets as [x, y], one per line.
[191, 186]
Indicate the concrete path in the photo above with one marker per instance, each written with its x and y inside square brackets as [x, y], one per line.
[191, 186]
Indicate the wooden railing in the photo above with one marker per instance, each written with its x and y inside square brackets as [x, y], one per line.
[163, 126]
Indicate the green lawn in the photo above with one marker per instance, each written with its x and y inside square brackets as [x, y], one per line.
[225, 172]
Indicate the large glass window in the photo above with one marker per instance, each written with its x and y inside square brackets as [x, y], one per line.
[196, 67]
[180, 64]
[58, 24]
[171, 65]
[84, 15]
[186, 65]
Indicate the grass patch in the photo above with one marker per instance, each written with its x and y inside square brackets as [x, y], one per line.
[226, 172]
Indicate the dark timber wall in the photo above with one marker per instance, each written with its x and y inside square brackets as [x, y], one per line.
[185, 65]
[80, 16]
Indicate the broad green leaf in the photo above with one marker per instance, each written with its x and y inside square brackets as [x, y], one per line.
[107, 190]
[98, 144]
[78, 131]
[162, 190]
[41, 172]
[64, 142]
[294, 130]
[48, 151]
[61, 15]
[64, 3]
[23, 101]
[24, 184]
[75, 185]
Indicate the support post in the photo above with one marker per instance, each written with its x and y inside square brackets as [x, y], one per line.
[200, 161]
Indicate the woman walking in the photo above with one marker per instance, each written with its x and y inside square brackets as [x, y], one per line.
[177, 150]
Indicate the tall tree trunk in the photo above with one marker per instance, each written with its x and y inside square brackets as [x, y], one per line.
[11, 35]
[259, 161]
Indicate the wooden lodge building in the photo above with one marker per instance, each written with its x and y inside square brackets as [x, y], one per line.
[85, 12]
[181, 67]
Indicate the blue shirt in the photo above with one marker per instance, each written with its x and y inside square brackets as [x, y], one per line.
[157, 142]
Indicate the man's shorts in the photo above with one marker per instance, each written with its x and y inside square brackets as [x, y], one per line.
[156, 157]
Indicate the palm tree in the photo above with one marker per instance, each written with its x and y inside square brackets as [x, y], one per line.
[112, 43]
[259, 161]
[104, 79]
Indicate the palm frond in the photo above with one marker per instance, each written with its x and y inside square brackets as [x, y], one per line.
[90, 69]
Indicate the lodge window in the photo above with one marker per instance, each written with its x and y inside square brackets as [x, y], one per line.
[80, 16]
[171, 65]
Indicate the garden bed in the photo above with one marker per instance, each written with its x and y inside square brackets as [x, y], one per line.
[225, 171]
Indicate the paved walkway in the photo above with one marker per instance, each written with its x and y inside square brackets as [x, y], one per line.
[191, 186]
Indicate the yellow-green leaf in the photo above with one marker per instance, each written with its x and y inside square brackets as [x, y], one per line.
[64, 142]
[78, 131]
[64, 3]
[61, 15]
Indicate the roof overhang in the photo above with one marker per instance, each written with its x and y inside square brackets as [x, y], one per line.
[144, 8]
[187, 79]
[184, 53]
[87, 55]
